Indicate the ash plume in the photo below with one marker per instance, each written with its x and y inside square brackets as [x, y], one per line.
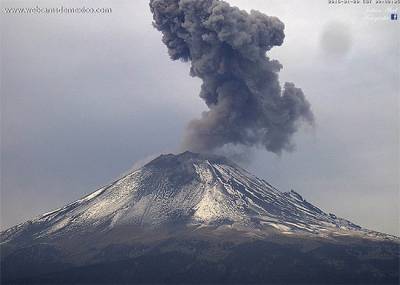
[227, 50]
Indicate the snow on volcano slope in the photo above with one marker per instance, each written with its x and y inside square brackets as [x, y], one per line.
[193, 190]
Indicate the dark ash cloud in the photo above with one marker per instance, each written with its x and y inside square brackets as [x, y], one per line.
[227, 50]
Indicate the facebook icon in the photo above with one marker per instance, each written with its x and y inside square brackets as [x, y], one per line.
[393, 16]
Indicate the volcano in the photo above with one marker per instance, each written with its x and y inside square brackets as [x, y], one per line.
[195, 219]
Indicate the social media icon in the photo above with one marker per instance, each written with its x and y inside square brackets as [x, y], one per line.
[393, 16]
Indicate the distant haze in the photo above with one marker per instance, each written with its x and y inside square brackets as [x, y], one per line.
[83, 97]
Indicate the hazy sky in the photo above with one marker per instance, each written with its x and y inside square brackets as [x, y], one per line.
[85, 97]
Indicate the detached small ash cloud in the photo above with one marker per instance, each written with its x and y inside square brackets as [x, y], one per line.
[227, 50]
[336, 40]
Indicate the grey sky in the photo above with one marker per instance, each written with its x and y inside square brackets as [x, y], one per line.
[85, 97]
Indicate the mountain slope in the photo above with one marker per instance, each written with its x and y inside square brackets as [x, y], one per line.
[199, 189]
[179, 201]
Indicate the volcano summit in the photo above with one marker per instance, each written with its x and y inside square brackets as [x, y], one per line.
[194, 218]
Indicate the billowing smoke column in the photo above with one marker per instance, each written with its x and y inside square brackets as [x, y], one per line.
[227, 50]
